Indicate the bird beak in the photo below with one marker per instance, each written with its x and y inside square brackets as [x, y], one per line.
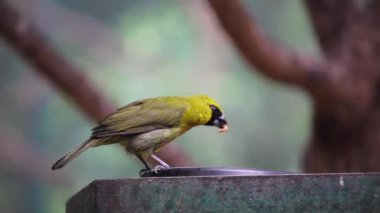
[224, 128]
[221, 123]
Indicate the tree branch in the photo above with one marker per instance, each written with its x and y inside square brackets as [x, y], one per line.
[259, 51]
[327, 83]
[33, 46]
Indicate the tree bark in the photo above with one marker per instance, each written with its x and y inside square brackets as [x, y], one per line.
[348, 138]
[343, 85]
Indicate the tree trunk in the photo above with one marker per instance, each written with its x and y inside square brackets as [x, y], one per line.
[346, 137]
[343, 83]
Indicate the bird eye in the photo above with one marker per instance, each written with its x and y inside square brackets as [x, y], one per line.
[215, 111]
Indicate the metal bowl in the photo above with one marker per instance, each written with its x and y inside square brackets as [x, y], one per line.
[208, 171]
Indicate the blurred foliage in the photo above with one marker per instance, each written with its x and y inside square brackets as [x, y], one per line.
[138, 49]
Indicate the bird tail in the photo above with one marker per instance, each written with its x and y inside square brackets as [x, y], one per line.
[73, 153]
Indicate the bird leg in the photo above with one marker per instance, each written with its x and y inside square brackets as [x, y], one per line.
[162, 163]
[147, 167]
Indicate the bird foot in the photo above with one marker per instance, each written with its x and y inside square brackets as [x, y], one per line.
[158, 167]
[142, 171]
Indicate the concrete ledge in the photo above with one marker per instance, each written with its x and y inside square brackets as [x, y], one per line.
[352, 192]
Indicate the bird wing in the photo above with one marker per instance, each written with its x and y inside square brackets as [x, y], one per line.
[139, 117]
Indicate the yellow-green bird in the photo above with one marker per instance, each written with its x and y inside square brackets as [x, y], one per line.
[145, 126]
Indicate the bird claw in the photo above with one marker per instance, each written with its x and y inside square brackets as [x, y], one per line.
[142, 171]
[158, 167]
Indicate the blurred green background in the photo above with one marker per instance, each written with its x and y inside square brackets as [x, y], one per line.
[137, 49]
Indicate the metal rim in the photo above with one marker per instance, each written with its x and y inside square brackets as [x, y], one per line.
[208, 171]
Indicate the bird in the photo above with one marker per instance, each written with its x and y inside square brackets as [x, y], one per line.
[143, 127]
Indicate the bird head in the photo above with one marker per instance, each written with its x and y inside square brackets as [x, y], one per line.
[211, 112]
[217, 119]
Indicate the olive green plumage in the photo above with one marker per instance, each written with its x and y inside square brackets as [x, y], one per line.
[145, 126]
